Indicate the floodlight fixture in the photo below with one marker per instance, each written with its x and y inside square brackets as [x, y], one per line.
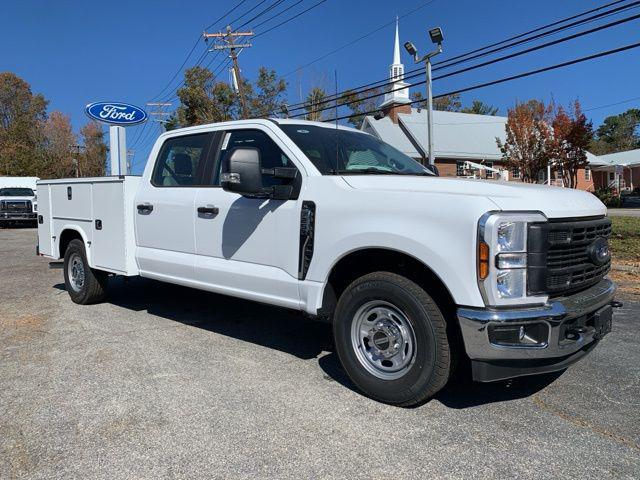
[436, 35]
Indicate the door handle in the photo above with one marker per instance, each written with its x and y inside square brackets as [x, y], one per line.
[144, 208]
[208, 211]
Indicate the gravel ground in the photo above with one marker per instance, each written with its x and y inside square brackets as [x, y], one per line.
[167, 382]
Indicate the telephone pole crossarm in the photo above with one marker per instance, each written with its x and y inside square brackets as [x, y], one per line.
[227, 41]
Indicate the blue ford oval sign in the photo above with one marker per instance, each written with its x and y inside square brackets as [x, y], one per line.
[116, 113]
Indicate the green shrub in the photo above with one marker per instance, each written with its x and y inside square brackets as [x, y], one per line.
[608, 196]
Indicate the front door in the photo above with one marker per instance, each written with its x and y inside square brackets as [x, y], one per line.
[248, 246]
[165, 209]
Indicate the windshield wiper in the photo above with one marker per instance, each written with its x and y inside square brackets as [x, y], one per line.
[360, 171]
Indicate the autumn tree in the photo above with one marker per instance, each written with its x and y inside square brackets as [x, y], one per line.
[22, 115]
[314, 102]
[59, 158]
[93, 157]
[572, 134]
[480, 108]
[529, 138]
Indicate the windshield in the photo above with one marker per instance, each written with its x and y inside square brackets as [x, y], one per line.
[338, 152]
[16, 192]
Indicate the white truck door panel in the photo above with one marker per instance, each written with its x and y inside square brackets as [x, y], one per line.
[109, 210]
[238, 248]
[165, 209]
[45, 242]
[164, 227]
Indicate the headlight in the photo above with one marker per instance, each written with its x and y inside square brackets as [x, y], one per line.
[502, 258]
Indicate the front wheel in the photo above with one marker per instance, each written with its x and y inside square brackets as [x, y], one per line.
[84, 284]
[391, 339]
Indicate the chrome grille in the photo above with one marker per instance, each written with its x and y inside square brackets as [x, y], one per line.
[15, 206]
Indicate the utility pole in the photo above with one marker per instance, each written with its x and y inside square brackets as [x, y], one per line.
[436, 37]
[159, 114]
[227, 41]
[76, 160]
[130, 154]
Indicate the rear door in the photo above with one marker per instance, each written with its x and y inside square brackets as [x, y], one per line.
[165, 209]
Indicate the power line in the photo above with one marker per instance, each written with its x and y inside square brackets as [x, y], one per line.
[195, 45]
[538, 29]
[258, 15]
[278, 14]
[612, 104]
[483, 64]
[264, 32]
[510, 78]
[368, 34]
[438, 65]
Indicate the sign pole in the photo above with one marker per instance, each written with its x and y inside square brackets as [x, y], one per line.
[118, 150]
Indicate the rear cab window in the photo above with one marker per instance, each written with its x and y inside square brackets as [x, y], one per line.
[182, 160]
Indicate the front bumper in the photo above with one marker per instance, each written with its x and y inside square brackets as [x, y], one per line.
[567, 328]
[18, 216]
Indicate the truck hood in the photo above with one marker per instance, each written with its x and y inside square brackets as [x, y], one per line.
[553, 202]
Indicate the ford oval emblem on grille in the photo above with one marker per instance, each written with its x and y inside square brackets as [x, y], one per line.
[599, 252]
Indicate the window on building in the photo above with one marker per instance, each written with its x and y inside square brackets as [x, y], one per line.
[489, 172]
[612, 176]
[459, 169]
[542, 175]
[515, 173]
[587, 174]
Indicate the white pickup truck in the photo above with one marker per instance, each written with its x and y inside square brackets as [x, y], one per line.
[18, 201]
[415, 272]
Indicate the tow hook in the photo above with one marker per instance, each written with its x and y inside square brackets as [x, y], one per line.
[616, 304]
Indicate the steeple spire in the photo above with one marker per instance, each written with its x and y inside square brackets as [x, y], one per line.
[396, 47]
[396, 76]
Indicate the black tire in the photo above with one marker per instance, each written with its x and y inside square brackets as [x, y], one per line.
[93, 288]
[430, 367]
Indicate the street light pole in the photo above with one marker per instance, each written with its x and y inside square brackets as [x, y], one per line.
[437, 38]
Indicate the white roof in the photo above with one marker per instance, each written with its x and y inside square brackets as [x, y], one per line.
[628, 158]
[456, 135]
[391, 133]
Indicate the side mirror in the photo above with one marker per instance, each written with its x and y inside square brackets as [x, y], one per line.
[242, 172]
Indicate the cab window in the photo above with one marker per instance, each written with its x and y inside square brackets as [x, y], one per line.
[271, 155]
[181, 161]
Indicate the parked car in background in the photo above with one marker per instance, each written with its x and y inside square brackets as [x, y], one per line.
[415, 272]
[18, 201]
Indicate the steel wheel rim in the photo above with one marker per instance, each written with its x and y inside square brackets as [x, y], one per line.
[75, 272]
[383, 340]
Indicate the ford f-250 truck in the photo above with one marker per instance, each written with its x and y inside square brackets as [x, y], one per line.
[414, 271]
[18, 201]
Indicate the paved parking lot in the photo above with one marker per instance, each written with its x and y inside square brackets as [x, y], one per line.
[167, 382]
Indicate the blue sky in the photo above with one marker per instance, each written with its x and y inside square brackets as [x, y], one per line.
[75, 52]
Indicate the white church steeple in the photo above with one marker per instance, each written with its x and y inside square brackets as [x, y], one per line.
[396, 77]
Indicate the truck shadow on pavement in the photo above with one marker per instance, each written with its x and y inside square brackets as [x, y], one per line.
[290, 332]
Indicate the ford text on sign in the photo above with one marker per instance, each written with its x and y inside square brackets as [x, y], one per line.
[116, 113]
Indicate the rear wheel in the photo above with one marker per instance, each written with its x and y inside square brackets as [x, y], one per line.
[84, 284]
[391, 339]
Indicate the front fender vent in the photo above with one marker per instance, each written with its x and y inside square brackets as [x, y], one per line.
[307, 230]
